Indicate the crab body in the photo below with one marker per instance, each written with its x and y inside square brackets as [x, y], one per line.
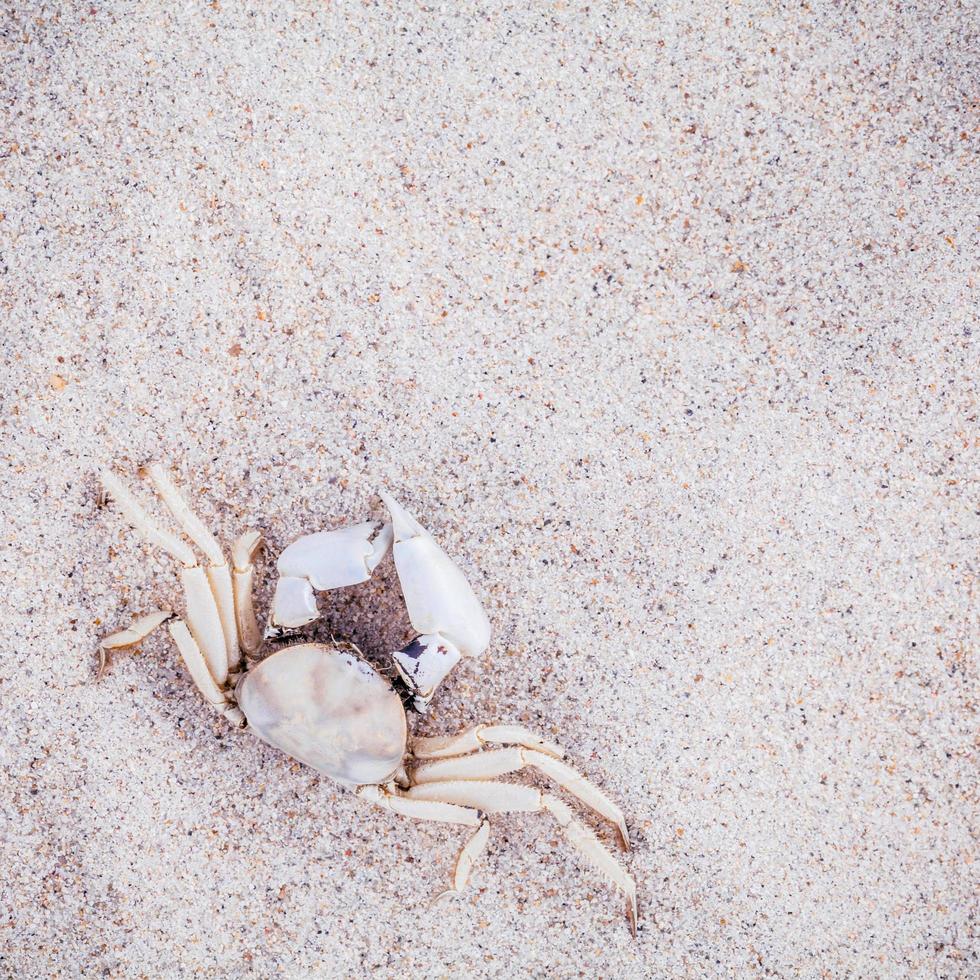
[328, 708]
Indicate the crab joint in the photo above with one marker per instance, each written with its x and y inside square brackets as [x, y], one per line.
[423, 664]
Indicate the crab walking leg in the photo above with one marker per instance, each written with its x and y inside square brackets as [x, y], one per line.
[218, 573]
[190, 652]
[442, 607]
[321, 561]
[420, 809]
[397, 802]
[134, 513]
[205, 621]
[589, 846]
[500, 762]
[492, 797]
[133, 634]
[441, 746]
[202, 611]
[484, 794]
[472, 851]
[243, 552]
[219, 578]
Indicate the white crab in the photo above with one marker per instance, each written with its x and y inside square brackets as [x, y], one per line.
[325, 706]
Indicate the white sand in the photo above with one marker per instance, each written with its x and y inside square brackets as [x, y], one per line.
[663, 321]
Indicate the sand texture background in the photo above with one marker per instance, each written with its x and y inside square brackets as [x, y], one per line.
[661, 317]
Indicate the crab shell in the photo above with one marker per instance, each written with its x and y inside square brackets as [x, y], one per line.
[328, 709]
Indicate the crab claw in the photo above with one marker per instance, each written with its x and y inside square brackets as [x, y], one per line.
[438, 596]
[441, 605]
[325, 560]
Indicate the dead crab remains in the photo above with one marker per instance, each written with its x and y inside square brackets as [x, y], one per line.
[328, 708]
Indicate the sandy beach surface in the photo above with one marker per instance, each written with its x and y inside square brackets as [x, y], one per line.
[661, 317]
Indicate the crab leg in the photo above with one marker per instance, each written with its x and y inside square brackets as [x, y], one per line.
[442, 607]
[500, 762]
[204, 620]
[218, 573]
[140, 520]
[243, 575]
[397, 802]
[129, 637]
[202, 610]
[493, 797]
[441, 746]
[469, 855]
[420, 809]
[190, 652]
[588, 845]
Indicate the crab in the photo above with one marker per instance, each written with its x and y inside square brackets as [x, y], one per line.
[324, 705]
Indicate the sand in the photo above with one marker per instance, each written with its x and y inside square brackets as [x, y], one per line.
[663, 319]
